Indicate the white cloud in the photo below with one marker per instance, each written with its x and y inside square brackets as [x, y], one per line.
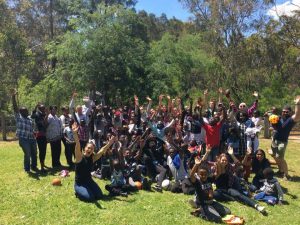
[287, 8]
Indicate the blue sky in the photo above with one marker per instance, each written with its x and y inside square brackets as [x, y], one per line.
[174, 8]
[169, 7]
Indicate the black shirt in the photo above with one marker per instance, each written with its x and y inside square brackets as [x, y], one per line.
[83, 170]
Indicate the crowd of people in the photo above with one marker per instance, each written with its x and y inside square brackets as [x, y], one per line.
[208, 148]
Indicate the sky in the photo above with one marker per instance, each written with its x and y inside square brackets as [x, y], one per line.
[169, 7]
[174, 8]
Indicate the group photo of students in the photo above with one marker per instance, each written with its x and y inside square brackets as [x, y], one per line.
[206, 148]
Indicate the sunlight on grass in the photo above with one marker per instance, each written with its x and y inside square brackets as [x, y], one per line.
[33, 200]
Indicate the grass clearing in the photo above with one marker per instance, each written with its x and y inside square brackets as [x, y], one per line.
[32, 199]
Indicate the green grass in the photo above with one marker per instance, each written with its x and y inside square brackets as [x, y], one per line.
[28, 199]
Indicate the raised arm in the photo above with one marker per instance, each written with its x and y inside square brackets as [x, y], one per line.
[247, 159]
[230, 152]
[78, 154]
[195, 169]
[14, 102]
[104, 148]
[296, 116]
[220, 94]
[254, 105]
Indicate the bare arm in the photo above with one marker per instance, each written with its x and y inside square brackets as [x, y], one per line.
[230, 152]
[296, 116]
[104, 149]
[78, 154]
[14, 102]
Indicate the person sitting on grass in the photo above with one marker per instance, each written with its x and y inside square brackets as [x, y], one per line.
[85, 188]
[271, 191]
[207, 208]
[228, 189]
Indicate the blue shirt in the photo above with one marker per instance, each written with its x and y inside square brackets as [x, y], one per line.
[24, 127]
[283, 129]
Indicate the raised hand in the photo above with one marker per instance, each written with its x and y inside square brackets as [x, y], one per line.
[205, 92]
[197, 161]
[230, 150]
[208, 149]
[297, 100]
[149, 99]
[249, 151]
[255, 94]
[221, 90]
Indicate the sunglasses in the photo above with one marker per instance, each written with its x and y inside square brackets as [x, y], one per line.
[284, 111]
[242, 106]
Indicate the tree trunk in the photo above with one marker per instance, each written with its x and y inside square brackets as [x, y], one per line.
[3, 127]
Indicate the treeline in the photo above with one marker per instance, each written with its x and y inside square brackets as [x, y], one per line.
[50, 48]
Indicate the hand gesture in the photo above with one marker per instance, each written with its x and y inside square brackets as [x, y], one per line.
[230, 150]
[221, 90]
[197, 161]
[136, 98]
[113, 139]
[160, 97]
[74, 95]
[205, 92]
[297, 100]
[149, 99]
[168, 97]
[200, 102]
[75, 127]
[255, 94]
[208, 149]
[249, 151]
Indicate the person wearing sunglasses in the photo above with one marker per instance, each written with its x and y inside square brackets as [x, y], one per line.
[281, 134]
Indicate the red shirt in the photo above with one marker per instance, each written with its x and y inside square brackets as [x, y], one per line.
[213, 134]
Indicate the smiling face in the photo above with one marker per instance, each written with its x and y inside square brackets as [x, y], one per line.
[224, 161]
[202, 173]
[259, 155]
[89, 150]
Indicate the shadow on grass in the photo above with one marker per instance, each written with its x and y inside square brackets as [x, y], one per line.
[285, 191]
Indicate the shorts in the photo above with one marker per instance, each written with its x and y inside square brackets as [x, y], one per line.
[278, 148]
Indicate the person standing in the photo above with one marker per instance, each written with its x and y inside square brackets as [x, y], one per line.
[25, 135]
[39, 115]
[282, 128]
[54, 136]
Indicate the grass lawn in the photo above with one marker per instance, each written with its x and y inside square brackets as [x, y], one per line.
[32, 199]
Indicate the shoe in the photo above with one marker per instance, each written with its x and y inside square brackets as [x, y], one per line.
[43, 170]
[287, 178]
[192, 203]
[157, 188]
[124, 194]
[261, 209]
[35, 169]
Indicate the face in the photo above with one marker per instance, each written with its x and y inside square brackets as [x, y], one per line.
[224, 161]
[152, 144]
[242, 106]
[212, 104]
[285, 113]
[24, 112]
[79, 110]
[202, 173]
[127, 154]
[53, 111]
[259, 156]
[88, 150]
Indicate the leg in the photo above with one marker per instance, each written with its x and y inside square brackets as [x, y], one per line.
[242, 198]
[162, 173]
[222, 195]
[33, 154]
[68, 153]
[24, 144]
[83, 193]
[95, 189]
[42, 144]
[211, 214]
[221, 209]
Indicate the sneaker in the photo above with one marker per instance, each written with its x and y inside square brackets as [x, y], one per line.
[261, 209]
[35, 169]
[157, 188]
[123, 194]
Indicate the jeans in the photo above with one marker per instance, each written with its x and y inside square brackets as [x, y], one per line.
[266, 198]
[55, 153]
[214, 212]
[30, 152]
[42, 144]
[89, 191]
[70, 153]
